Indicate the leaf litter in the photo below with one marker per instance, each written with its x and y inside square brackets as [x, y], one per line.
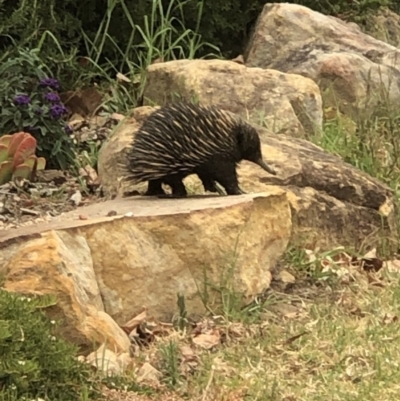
[324, 337]
[54, 192]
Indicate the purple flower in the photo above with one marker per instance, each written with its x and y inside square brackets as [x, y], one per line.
[21, 100]
[49, 83]
[57, 111]
[52, 97]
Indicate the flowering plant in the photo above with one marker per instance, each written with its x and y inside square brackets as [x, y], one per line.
[31, 103]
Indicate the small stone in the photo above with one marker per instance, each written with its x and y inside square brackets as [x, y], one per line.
[105, 361]
[239, 59]
[76, 121]
[117, 116]
[286, 277]
[148, 373]
[76, 198]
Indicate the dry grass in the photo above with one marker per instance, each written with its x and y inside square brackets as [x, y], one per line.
[334, 337]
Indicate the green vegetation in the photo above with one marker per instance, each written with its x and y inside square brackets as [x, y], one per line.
[313, 345]
[333, 335]
[34, 362]
[370, 143]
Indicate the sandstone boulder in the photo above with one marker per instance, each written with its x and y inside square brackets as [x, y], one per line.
[112, 155]
[384, 25]
[58, 263]
[283, 103]
[104, 269]
[333, 203]
[350, 67]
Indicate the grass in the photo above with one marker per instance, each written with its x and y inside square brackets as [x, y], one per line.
[320, 339]
[345, 350]
[371, 145]
[161, 37]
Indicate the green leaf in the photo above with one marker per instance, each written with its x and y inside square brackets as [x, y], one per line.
[17, 118]
[5, 140]
[4, 329]
[7, 112]
[5, 172]
[41, 163]
[22, 171]
[3, 153]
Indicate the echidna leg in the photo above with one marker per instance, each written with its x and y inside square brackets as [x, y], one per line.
[209, 184]
[176, 184]
[155, 188]
[225, 174]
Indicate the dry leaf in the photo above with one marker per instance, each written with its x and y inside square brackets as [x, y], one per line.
[208, 341]
[117, 116]
[105, 360]
[149, 374]
[393, 266]
[122, 78]
[237, 330]
[239, 59]
[90, 175]
[389, 318]
[135, 322]
[370, 254]
[187, 353]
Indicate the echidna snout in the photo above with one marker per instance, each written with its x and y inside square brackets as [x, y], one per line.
[260, 162]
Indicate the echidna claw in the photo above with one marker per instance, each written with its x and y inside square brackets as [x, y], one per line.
[219, 189]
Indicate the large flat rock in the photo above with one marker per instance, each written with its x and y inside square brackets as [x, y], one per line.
[137, 206]
[104, 268]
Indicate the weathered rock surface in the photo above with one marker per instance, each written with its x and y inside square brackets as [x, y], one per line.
[384, 25]
[104, 269]
[83, 102]
[332, 202]
[59, 263]
[336, 55]
[112, 155]
[284, 103]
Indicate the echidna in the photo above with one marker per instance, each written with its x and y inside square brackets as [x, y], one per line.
[180, 139]
[175, 181]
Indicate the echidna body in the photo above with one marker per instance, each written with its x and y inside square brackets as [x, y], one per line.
[180, 139]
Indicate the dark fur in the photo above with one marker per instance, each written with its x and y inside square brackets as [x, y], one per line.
[181, 139]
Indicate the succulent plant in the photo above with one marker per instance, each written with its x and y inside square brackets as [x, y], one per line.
[17, 157]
